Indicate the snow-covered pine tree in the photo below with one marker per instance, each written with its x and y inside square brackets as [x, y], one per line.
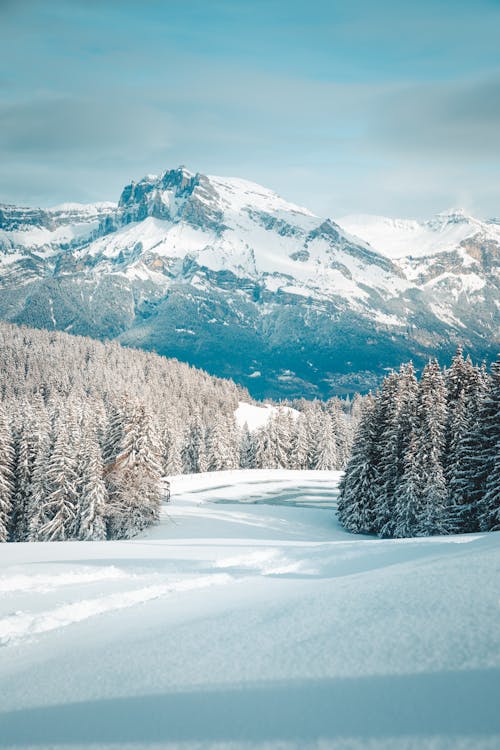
[488, 496]
[248, 449]
[343, 439]
[436, 515]
[59, 505]
[133, 478]
[93, 495]
[312, 421]
[6, 475]
[358, 488]
[263, 455]
[221, 447]
[489, 509]
[39, 486]
[386, 451]
[194, 451]
[171, 450]
[299, 448]
[279, 439]
[326, 446]
[402, 421]
[407, 503]
[114, 430]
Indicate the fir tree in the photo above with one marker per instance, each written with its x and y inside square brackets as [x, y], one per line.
[435, 516]
[248, 449]
[60, 502]
[6, 475]
[194, 452]
[488, 451]
[221, 446]
[326, 449]
[279, 440]
[407, 506]
[358, 488]
[133, 478]
[299, 449]
[91, 520]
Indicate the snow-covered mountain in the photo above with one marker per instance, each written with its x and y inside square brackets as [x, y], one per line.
[409, 238]
[227, 275]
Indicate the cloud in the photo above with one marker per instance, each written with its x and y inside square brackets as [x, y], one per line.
[442, 120]
[57, 125]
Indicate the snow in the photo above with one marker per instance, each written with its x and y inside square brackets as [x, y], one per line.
[249, 248]
[401, 238]
[239, 193]
[249, 619]
[83, 208]
[256, 417]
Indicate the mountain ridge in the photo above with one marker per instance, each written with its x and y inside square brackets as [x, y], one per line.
[227, 275]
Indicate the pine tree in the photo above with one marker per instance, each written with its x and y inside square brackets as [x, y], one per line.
[248, 449]
[358, 493]
[60, 502]
[264, 456]
[279, 439]
[326, 449]
[194, 452]
[171, 451]
[133, 478]
[37, 514]
[6, 475]
[341, 434]
[91, 519]
[299, 449]
[387, 445]
[221, 445]
[488, 451]
[312, 420]
[407, 507]
[490, 504]
[462, 432]
[437, 516]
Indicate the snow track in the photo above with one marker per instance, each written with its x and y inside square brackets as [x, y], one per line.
[249, 619]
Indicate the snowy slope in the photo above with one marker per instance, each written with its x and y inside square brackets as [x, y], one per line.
[68, 224]
[232, 225]
[401, 238]
[249, 619]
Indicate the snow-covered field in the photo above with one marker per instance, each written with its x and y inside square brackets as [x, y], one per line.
[249, 619]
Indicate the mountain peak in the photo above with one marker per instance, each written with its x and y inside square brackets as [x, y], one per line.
[453, 216]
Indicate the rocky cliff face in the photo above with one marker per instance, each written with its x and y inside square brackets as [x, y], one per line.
[227, 275]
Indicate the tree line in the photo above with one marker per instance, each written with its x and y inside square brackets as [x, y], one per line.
[87, 429]
[426, 455]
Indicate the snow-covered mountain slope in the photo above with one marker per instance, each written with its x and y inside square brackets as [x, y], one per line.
[249, 620]
[227, 275]
[53, 229]
[404, 238]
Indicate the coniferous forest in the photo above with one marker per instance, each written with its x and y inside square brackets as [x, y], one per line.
[87, 430]
[426, 455]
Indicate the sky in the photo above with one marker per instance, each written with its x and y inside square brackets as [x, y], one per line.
[345, 107]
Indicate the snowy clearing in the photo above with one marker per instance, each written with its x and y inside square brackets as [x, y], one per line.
[255, 417]
[250, 619]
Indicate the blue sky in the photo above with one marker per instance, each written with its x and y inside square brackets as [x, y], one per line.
[346, 107]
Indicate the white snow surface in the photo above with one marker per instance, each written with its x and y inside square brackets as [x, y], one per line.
[249, 619]
[255, 417]
[403, 238]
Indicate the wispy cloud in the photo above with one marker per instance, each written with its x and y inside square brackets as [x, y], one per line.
[387, 107]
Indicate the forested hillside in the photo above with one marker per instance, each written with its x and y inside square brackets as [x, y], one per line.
[87, 429]
[426, 457]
